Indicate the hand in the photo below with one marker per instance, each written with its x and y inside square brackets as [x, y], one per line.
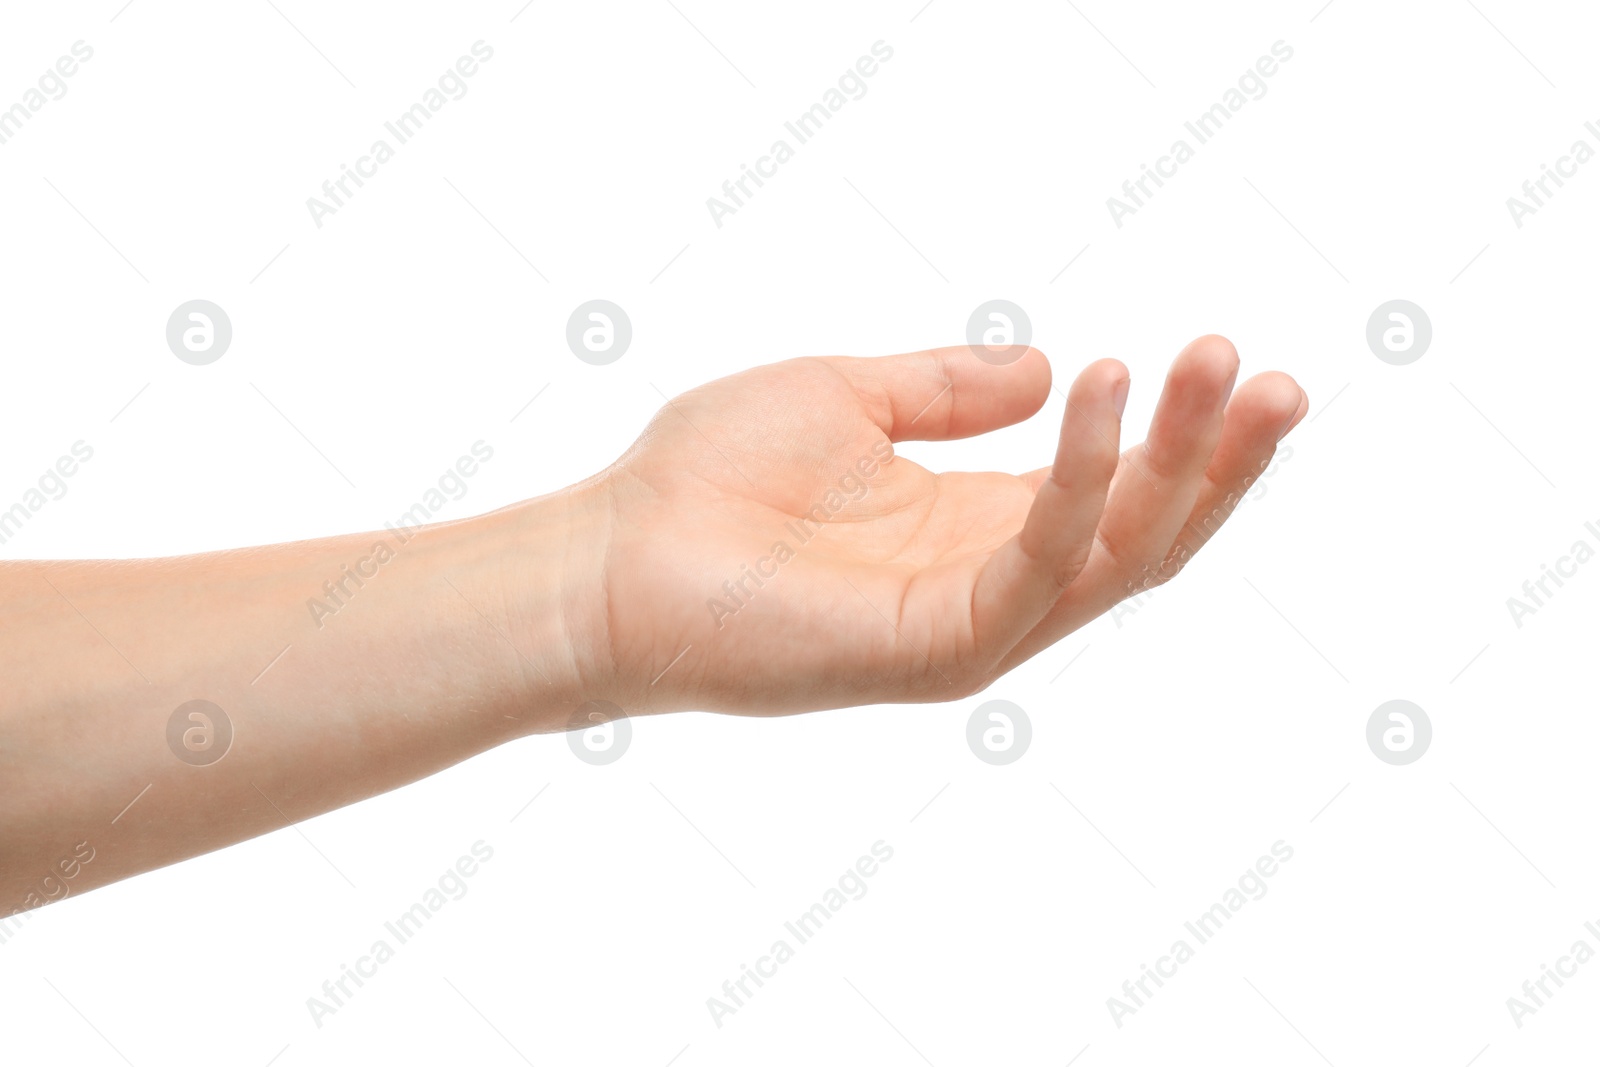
[762, 550]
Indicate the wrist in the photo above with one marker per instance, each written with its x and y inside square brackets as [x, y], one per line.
[536, 570]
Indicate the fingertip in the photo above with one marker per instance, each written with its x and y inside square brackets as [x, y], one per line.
[1113, 376]
[1212, 346]
[1099, 395]
[1034, 355]
[1268, 403]
[1101, 376]
[1037, 377]
[1025, 379]
[1091, 427]
[1211, 357]
[1278, 391]
[1109, 369]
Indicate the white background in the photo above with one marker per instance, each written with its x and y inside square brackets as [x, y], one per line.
[1181, 743]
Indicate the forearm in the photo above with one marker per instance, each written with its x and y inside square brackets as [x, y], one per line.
[343, 667]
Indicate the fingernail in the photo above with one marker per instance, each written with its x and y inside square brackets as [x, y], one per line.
[1305, 402]
[1119, 396]
[1289, 425]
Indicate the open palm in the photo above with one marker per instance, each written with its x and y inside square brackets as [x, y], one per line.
[767, 552]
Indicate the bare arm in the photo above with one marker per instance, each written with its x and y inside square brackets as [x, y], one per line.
[412, 671]
[760, 550]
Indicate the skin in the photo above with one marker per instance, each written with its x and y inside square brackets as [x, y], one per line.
[901, 585]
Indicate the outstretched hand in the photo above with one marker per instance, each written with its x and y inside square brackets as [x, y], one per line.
[763, 550]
